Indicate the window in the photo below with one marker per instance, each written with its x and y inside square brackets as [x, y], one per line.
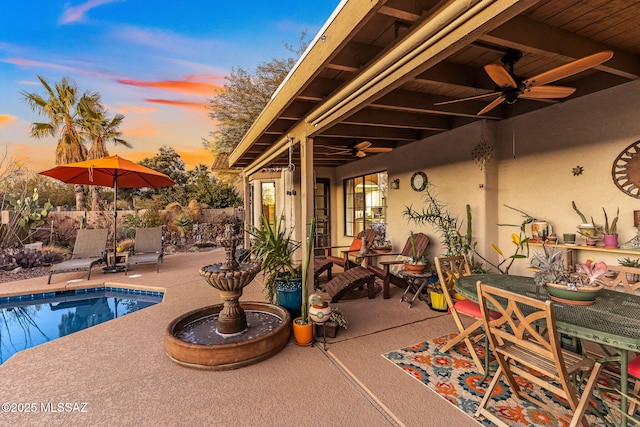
[269, 201]
[365, 203]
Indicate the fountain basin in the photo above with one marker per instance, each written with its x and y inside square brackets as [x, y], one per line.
[244, 351]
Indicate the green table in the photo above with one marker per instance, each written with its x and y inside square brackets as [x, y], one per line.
[613, 320]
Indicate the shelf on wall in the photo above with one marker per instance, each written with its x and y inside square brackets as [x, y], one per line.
[592, 248]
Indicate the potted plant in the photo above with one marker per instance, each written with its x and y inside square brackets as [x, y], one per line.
[319, 310]
[579, 288]
[274, 248]
[589, 230]
[418, 261]
[302, 327]
[633, 263]
[610, 231]
[330, 328]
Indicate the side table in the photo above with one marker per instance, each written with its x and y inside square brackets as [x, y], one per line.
[119, 257]
[417, 283]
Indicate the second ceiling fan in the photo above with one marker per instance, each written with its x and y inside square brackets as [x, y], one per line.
[510, 87]
[360, 149]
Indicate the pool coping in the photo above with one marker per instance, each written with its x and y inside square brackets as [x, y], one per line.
[39, 292]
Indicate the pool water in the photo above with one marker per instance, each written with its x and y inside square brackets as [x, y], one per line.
[30, 320]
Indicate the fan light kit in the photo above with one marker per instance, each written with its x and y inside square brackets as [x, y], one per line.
[510, 87]
[359, 150]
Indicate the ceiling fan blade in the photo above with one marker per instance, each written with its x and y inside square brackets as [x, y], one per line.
[362, 145]
[360, 153]
[485, 95]
[500, 75]
[548, 92]
[569, 69]
[378, 150]
[491, 106]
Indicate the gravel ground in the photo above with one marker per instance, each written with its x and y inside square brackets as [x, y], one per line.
[23, 273]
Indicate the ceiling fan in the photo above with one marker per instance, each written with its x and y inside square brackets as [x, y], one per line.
[510, 87]
[360, 149]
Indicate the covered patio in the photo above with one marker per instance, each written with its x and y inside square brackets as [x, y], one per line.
[366, 97]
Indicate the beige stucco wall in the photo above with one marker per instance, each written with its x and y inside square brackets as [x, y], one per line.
[589, 131]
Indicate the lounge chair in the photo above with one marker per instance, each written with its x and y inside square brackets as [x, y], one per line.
[89, 250]
[383, 271]
[147, 248]
[344, 261]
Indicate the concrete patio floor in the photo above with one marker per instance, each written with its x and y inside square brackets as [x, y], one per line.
[119, 369]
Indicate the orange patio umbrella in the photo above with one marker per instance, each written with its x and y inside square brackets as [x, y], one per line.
[114, 172]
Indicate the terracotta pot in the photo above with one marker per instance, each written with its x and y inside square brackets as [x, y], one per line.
[303, 333]
[414, 268]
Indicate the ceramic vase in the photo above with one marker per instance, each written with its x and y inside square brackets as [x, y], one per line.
[610, 240]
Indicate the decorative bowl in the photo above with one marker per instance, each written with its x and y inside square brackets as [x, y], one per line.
[582, 295]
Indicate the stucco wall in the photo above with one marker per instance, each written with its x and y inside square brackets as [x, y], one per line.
[589, 131]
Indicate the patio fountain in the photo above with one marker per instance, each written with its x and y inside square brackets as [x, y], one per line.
[233, 334]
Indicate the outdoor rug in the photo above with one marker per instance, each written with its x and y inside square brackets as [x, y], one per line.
[453, 376]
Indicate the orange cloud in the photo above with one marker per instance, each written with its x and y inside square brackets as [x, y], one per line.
[136, 109]
[184, 104]
[5, 119]
[186, 85]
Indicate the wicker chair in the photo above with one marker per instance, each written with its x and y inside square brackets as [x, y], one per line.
[147, 248]
[89, 250]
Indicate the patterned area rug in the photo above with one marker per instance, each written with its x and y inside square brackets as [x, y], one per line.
[453, 376]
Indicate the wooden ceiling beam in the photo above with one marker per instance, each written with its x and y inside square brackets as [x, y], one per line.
[399, 14]
[371, 132]
[535, 37]
[397, 119]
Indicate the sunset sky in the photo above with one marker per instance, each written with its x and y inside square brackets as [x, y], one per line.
[156, 62]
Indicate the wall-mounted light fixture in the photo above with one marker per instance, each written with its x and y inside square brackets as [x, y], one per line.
[395, 184]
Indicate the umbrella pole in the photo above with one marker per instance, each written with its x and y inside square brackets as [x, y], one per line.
[115, 217]
[115, 268]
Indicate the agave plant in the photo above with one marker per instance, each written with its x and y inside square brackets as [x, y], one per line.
[550, 266]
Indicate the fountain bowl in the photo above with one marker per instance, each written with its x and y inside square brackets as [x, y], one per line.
[222, 357]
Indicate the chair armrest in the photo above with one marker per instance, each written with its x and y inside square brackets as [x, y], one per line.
[394, 262]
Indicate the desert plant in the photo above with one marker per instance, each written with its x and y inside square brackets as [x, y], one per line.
[338, 317]
[613, 228]
[274, 247]
[550, 266]
[628, 262]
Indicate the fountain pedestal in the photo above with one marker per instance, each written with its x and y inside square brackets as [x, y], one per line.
[232, 334]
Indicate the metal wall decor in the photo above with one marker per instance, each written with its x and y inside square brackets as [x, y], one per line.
[626, 170]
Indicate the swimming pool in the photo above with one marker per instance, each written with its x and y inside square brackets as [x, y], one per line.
[30, 320]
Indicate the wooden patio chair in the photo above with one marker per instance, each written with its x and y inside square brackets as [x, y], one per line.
[522, 349]
[346, 260]
[147, 248]
[88, 250]
[449, 269]
[383, 270]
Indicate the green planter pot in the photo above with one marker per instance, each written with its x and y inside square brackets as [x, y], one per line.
[289, 295]
[585, 295]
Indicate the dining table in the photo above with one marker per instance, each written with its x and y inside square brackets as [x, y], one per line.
[613, 320]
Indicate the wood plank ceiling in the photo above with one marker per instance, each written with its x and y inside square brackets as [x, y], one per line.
[548, 33]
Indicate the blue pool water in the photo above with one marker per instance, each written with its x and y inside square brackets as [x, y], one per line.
[29, 320]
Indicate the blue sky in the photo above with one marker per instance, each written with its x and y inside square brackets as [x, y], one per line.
[156, 62]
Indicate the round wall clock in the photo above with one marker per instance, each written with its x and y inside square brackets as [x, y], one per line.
[626, 170]
[419, 181]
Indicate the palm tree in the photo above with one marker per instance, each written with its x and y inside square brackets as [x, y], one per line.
[60, 106]
[97, 127]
